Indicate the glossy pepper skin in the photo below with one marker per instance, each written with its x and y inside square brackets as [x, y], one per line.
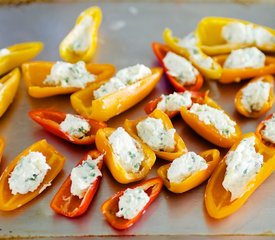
[212, 157]
[267, 105]
[209, 132]
[34, 73]
[209, 31]
[19, 53]
[66, 52]
[180, 147]
[9, 89]
[112, 162]
[217, 199]
[173, 44]
[260, 128]
[160, 51]
[102, 109]
[54, 159]
[152, 187]
[51, 119]
[152, 105]
[2, 146]
[68, 205]
[236, 75]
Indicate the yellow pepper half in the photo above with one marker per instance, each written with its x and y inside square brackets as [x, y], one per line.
[212, 157]
[66, 48]
[180, 147]
[102, 109]
[116, 169]
[172, 43]
[218, 200]
[8, 88]
[2, 145]
[209, 31]
[34, 73]
[19, 54]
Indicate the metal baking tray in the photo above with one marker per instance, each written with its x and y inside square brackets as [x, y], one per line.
[125, 38]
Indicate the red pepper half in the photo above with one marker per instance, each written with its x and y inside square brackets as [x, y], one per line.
[66, 204]
[160, 51]
[50, 120]
[152, 187]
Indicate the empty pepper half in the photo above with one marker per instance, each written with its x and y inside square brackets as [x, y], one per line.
[51, 119]
[218, 200]
[179, 148]
[34, 73]
[230, 75]
[160, 51]
[266, 105]
[209, 31]
[8, 88]
[55, 160]
[104, 108]
[17, 54]
[81, 42]
[152, 188]
[113, 164]
[173, 43]
[2, 145]
[212, 157]
[69, 205]
[209, 131]
[266, 138]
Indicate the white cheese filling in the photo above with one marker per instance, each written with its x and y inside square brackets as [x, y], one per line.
[4, 52]
[215, 117]
[28, 173]
[1, 85]
[127, 150]
[132, 202]
[152, 132]
[69, 75]
[84, 175]
[268, 133]
[75, 126]
[174, 101]
[245, 58]
[255, 95]
[185, 166]
[242, 166]
[124, 77]
[180, 68]
[81, 35]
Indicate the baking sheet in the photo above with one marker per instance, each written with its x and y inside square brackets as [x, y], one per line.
[127, 30]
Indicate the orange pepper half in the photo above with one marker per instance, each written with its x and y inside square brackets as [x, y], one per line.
[55, 160]
[267, 105]
[218, 200]
[180, 147]
[116, 169]
[212, 157]
[2, 145]
[209, 132]
[102, 109]
[34, 73]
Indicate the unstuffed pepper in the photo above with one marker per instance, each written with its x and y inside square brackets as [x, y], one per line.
[189, 170]
[80, 44]
[45, 79]
[77, 192]
[256, 98]
[29, 174]
[127, 158]
[189, 47]
[73, 128]
[119, 210]
[222, 35]
[208, 119]
[179, 71]
[102, 101]
[242, 170]
[8, 88]
[13, 56]
[158, 133]
[2, 145]
[265, 131]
